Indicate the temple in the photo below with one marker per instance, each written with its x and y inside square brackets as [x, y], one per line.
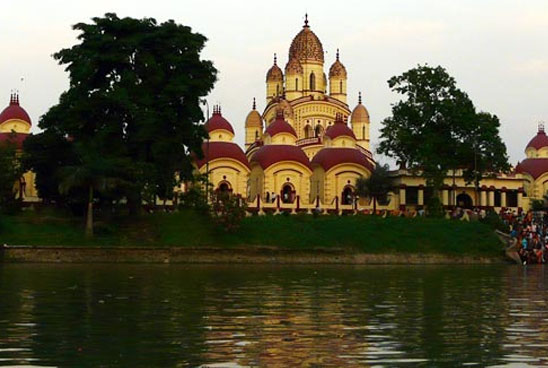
[307, 148]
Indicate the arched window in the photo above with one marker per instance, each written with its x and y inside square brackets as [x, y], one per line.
[312, 82]
[363, 133]
[340, 87]
[318, 130]
[256, 135]
[277, 89]
[296, 84]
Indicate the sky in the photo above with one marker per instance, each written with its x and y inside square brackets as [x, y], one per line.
[495, 49]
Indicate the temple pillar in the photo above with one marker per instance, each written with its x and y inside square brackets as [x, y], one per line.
[445, 197]
[483, 198]
[520, 198]
[503, 198]
[402, 197]
[420, 196]
[491, 197]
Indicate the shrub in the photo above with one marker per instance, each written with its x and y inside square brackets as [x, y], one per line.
[227, 211]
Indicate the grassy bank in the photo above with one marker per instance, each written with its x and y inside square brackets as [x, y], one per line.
[359, 233]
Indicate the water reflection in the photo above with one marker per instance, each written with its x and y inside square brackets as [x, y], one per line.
[189, 316]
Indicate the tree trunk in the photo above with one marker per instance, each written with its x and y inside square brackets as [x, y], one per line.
[89, 215]
[374, 206]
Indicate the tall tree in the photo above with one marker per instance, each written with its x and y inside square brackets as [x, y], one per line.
[432, 129]
[377, 186]
[135, 88]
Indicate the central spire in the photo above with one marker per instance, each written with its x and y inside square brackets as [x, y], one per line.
[306, 20]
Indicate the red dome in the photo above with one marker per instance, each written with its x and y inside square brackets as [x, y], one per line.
[533, 166]
[539, 141]
[217, 122]
[280, 126]
[219, 150]
[339, 129]
[14, 111]
[16, 138]
[330, 157]
[268, 155]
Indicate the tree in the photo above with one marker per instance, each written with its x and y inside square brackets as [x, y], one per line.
[436, 129]
[375, 186]
[135, 88]
[10, 173]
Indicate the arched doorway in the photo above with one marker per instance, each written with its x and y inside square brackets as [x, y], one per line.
[347, 196]
[224, 188]
[288, 193]
[464, 201]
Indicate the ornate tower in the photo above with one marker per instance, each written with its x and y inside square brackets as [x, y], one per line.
[253, 126]
[293, 79]
[337, 80]
[274, 81]
[360, 124]
[308, 50]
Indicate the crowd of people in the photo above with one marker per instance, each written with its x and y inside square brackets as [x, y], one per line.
[530, 229]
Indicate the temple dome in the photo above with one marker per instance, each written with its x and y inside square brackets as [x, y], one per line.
[306, 46]
[274, 74]
[14, 111]
[293, 67]
[269, 155]
[254, 119]
[360, 113]
[279, 125]
[331, 157]
[218, 122]
[337, 69]
[221, 150]
[539, 141]
[339, 129]
[535, 167]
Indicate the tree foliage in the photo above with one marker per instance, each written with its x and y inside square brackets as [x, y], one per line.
[10, 173]
[134, 98]
[436, 128]
[377, 186]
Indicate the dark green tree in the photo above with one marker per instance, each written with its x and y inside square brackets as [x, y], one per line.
[377, 186]
[10, 173]
[134, 95]
[436, 128]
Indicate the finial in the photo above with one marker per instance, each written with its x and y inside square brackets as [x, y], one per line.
[306, 20]
[16, 97]
[254, 105]
[360, 97]
[541, 127]
[275, 58]
[337, 54]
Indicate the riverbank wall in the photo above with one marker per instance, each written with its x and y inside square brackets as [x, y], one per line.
[203, 255]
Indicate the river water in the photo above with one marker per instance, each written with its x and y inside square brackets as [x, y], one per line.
[266, 316]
